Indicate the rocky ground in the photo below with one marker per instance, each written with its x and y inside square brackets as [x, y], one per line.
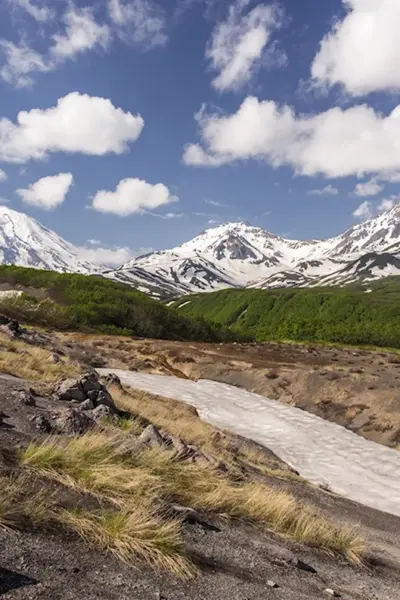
[236, 560]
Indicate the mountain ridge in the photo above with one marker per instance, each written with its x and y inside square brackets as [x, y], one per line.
[242, 255]
[231, 255]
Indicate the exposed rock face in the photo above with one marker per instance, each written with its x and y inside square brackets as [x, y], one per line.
[10, 327]
[70, 389]
[73, 421]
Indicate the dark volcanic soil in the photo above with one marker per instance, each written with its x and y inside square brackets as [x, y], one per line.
[236, 562]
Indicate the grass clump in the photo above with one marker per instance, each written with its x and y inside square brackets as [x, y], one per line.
[21, 505]
[144, 484]
[136, 533]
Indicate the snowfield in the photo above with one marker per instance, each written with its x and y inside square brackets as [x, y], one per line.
[321, 451]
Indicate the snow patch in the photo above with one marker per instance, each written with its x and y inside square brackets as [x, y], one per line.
[321, 451]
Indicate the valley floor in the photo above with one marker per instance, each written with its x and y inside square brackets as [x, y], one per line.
[236, 559]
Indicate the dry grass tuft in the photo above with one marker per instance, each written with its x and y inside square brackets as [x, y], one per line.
[132, 535]
[32, 362]
[101, 464]
[20, 506]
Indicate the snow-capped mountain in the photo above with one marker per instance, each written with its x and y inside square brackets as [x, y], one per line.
[24, 242]
[240, 255]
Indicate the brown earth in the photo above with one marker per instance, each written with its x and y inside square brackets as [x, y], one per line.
[358, 389]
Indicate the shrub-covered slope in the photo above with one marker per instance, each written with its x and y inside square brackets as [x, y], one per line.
[347, 315]
[71, 301]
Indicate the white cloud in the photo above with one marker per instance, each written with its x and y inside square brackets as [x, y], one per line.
[216, 204]
[387, 203]
[239, 44]
[48, 192]
[37, 10]
[138, 22]
[3, 175]
[82, 33]
[3, 200]
[368, 210]
[362, 51]
[328, 190]
[131, 196]
[78, 123]
[364, 211]
[19, 62]
[334, 143]
[93, 242]
[368, 188]
[113, 256]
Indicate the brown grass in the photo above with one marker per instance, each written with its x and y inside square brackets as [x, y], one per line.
[152, 479]
[32, 362]
[21, 505]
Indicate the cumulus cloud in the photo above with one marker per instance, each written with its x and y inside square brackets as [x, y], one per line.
[335, 143]
[362, 51]
[37, 10]
[82, 33]
[48, 192]
[113, 256]
[368, 209]
[368, 188]
[239, 45]
[77, 124]
[131, 196]
[3, 175]
[328, 190]
[138, 22]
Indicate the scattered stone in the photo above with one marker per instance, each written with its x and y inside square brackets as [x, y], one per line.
[332, 593]
[10, 327]
[272, 584]
[284, 556]
[43, 424]
[150, 437]
[27, 398]
[73, 421]
[192, 517]
[113, 379]
[70, 389]
[54, 358]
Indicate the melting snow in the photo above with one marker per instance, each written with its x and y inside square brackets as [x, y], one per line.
[321, 451]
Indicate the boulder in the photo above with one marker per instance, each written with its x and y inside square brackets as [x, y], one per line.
[88, 404]
[70, 389]
[113, 379]
[104, 397]
[150, 437]
[90, 381]
[102, 412]
[73, 421]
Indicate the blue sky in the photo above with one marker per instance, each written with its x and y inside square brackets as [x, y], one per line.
[136, 124]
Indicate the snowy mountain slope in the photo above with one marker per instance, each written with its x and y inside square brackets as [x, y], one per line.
[24, 242]
[239, 255]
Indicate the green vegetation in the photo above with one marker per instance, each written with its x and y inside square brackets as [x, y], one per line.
[81, 302]
[338, 315]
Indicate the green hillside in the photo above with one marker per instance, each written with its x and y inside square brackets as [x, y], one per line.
[81, 302]
[345, 315]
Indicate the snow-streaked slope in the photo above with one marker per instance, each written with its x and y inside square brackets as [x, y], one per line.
[239, 255]
[24, 242]
[321, 451]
